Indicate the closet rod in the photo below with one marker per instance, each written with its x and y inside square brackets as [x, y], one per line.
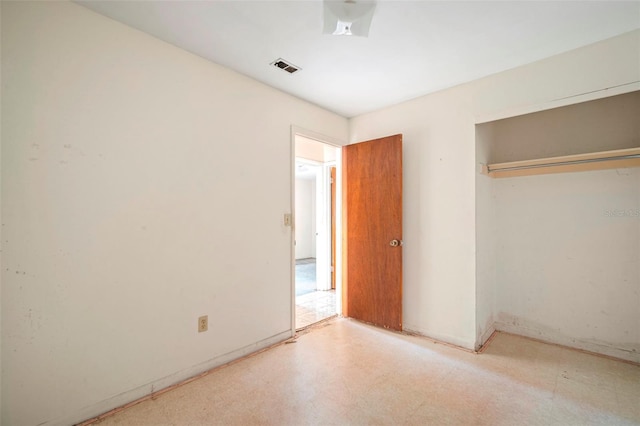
[620, 158]
[493, 168]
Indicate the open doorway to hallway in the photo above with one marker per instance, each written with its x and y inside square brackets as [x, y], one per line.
[315, 236]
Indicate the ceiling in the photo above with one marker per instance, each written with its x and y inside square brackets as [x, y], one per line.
[413, 48]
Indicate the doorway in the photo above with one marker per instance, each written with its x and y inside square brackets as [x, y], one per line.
[315, 188]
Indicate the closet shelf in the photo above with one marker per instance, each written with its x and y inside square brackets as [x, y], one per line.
[615, 159]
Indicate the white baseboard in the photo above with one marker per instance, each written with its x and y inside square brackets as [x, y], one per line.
[558, 338]
[485, 336]
[442, 338]
[157, 385]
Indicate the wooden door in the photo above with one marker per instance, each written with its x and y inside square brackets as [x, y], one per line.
[372, 235]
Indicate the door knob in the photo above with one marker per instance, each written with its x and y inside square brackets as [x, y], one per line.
[395, 243]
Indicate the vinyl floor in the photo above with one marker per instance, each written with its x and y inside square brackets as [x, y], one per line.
[343, 372]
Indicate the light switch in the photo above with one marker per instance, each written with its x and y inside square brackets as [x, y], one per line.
[287, 219]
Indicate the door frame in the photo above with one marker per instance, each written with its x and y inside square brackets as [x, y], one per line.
[338, 144]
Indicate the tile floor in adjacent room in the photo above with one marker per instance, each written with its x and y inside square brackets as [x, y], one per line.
[314, 307]
[345, 372]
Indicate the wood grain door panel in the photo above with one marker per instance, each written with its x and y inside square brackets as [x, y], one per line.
[372, 182]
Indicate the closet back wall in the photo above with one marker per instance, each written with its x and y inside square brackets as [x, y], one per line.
[568, 245]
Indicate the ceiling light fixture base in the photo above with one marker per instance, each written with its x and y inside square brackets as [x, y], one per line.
[348, 18]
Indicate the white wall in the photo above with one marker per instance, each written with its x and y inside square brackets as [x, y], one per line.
[440, 172]
[134, 195]
[305, 218]
[568, 267]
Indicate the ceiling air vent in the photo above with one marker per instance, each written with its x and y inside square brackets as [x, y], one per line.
[285, 66]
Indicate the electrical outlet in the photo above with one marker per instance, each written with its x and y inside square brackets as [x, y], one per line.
[203, 323]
